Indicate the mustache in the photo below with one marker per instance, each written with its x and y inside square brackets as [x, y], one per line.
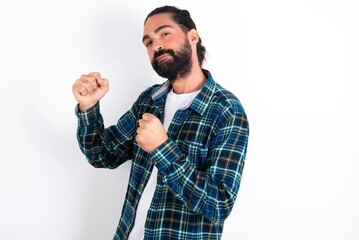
[164, 51]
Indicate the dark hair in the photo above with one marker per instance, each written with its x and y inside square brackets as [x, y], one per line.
[184, 20]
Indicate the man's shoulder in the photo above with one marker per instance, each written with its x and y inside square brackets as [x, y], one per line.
[227, 99]
[219, 97]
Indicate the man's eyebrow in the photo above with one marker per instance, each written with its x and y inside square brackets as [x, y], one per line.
[156, 31]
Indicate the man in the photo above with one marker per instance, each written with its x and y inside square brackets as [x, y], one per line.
[187, 138]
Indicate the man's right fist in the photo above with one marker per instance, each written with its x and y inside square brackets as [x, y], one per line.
[89, 89]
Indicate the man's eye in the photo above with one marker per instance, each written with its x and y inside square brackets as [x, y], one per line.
[165, 34]
[148, 43]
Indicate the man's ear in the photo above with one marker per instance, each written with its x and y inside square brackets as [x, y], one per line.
[193, 36]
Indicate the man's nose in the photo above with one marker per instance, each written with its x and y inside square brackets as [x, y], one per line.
[156, 46]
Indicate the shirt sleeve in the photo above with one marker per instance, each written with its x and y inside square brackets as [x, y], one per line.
[110, 147]
[211, 193]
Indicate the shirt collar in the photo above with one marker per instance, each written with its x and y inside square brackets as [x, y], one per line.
[201, 102]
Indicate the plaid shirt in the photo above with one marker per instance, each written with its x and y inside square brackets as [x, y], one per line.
[199, 166]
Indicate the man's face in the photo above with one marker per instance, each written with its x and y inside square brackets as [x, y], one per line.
[168, 47]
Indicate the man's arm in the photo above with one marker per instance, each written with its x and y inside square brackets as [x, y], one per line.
[106, 148]
[211, 193]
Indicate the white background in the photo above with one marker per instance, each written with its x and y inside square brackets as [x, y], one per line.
[293, 64]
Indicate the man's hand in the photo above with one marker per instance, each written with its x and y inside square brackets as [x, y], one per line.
[89, 89]
[150, 133]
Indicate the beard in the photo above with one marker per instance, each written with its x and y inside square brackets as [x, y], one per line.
[179, 66]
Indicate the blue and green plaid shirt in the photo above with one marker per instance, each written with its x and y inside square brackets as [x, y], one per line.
[199, 166]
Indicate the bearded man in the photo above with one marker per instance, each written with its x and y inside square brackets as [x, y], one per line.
[187, 138]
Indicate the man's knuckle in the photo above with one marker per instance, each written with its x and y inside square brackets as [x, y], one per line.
[96, 74]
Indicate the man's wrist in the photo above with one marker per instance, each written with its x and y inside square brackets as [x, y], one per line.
[84, 108]
[165, 154]
[90, 116]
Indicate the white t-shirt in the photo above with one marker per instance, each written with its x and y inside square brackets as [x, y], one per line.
[174, 102]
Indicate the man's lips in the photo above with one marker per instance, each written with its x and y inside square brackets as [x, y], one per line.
[162, 57]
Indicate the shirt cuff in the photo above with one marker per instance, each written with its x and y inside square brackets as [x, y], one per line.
[88, 117]
[165, 155]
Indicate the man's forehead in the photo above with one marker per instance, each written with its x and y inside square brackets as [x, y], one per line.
[155, 21]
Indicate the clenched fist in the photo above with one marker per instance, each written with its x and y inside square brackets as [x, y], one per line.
[150, 133]
[89, 89]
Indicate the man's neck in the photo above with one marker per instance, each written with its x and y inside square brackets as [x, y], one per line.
[191, 83]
